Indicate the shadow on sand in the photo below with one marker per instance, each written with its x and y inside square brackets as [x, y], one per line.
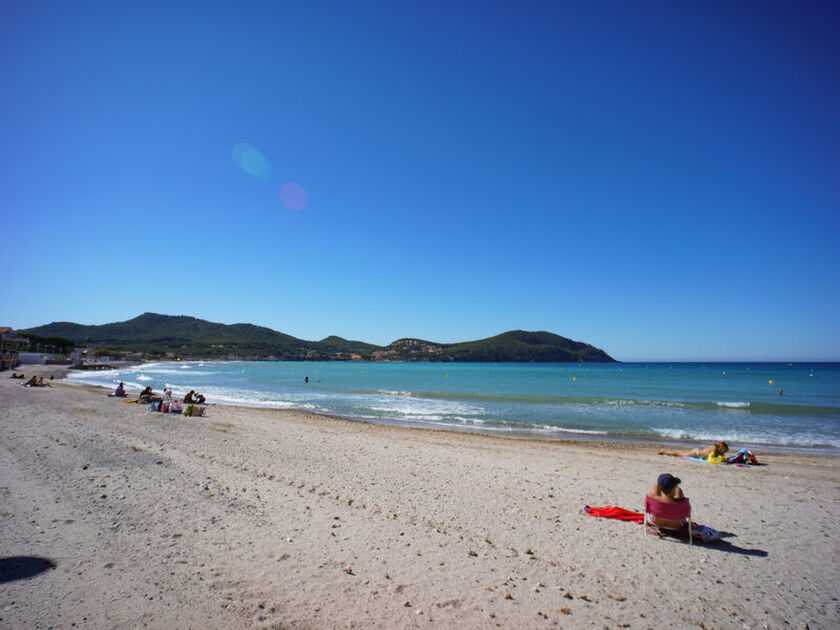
[721, 545]
[728, 547]
[23, 567]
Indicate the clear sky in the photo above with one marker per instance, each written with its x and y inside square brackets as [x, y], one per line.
[659, 179]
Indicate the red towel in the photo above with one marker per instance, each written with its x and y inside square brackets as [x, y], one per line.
[611, 511]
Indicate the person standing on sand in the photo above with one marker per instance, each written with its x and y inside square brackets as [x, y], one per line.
[718, 450]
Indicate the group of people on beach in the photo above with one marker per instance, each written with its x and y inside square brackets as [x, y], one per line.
[194, 398]
[34, 381]
[665, 492]
[148, 396]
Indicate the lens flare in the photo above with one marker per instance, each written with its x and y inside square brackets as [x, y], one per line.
[251, 161]
[294, 196]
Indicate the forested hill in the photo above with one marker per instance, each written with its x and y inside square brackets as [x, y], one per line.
[188, 337]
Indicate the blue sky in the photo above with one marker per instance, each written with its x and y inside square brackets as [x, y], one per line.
[658, 179]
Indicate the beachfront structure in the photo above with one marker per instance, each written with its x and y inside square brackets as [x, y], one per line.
[10, 346]
[34, 358]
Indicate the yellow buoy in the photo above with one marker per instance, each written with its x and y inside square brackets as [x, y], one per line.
[446, 375]
[574, 378]
[771, 382]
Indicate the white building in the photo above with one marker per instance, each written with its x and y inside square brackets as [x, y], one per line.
[33, 358]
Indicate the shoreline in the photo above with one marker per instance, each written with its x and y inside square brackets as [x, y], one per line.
[537, 434]
[582, 440]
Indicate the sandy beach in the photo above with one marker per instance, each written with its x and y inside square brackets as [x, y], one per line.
[254, 518]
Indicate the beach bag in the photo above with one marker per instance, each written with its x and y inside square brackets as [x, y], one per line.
[197, 410]
[176, 407]
[704, 533]
[743, 456]
[188, 410]
[165, 407]
[154, 406]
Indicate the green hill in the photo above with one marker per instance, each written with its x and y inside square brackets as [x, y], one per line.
[516, 346]
[189, 337]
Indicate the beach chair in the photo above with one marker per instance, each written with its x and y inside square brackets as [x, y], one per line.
[679, 511]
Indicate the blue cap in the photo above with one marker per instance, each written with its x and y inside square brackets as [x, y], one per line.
[668, 481]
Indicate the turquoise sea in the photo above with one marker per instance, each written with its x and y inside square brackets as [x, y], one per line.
[737, 402]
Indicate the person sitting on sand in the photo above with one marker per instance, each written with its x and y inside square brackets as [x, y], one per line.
[119, 392]
[41, 382]
[193, 398]
[717, 450]
[32, 382]
[146, 396]
[667, 490]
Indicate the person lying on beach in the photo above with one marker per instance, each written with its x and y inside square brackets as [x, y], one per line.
[717, 450]
[32, 382]
[16, 375]
[119, 392]
[667, 490]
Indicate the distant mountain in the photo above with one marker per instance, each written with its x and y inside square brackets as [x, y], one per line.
[517, 345]
[188, 337]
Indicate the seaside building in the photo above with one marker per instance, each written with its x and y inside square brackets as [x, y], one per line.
[34, 358]
[10, 347]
